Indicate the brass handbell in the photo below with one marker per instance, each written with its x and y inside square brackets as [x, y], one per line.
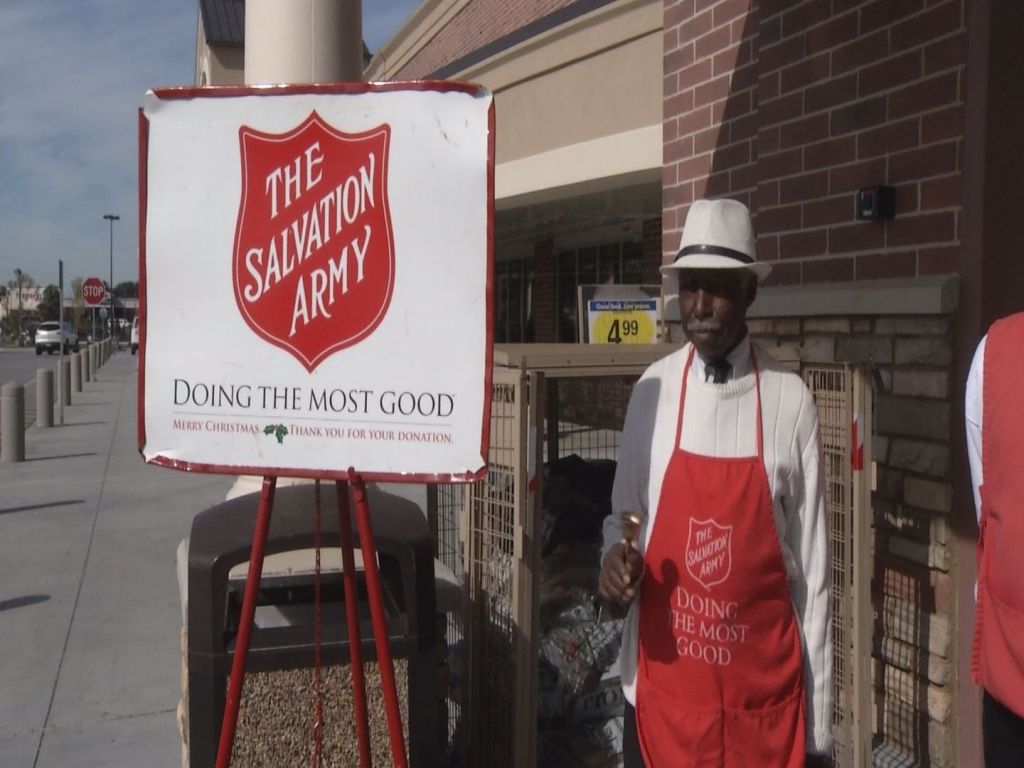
[631, 522]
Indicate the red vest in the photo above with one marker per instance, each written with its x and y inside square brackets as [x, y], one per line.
[998, 656]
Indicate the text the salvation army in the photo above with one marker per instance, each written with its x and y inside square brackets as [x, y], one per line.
[302, 237]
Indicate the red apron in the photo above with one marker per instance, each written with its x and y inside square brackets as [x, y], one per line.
[720, 672]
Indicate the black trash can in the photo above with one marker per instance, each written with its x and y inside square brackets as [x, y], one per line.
[221, 538]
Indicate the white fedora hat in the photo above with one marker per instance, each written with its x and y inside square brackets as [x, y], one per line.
[718, 234]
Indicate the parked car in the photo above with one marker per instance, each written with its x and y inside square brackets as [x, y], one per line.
[135, 334]
[51, 337]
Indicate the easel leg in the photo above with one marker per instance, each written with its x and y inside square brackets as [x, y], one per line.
[352, 616]
[252, 585]
[380, 628]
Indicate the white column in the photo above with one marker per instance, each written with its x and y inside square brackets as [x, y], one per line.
[300, 41]
[303, 41]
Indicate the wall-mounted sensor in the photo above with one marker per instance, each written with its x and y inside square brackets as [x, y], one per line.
[876, 203]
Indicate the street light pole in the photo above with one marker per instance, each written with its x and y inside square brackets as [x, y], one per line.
[17, 274]
[112, 218]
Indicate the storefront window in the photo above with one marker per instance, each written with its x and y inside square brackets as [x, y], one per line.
[567, 283]
[633, 263]
[516, 301]
[513, 304]
[608, 264]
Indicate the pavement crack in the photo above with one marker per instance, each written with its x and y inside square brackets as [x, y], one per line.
[137, 715]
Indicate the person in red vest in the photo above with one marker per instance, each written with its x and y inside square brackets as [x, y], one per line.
[994, 412]
[726, 657]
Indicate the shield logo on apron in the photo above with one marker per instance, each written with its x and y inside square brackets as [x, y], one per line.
[709, 552]
[314, 256]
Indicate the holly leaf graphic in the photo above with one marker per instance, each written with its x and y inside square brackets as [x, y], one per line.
[280, 432]
[269, 429]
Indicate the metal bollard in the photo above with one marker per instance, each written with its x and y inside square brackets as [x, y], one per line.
[12, 423]
[94, 362]
[86, 364]
[44, 397]
[65, 381]
[76, 372]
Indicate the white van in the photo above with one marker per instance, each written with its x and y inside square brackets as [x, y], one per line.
[135, 334]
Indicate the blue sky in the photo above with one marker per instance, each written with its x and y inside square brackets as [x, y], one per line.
[72, 75]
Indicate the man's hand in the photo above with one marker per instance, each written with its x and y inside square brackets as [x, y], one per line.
[621, 570]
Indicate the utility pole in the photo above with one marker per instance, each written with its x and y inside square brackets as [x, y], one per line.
[60, 365]
[17, 274]
[112, 218]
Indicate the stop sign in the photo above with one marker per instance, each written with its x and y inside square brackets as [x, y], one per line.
[93, 291]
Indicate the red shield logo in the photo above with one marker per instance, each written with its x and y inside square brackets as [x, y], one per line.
[314, 254]
[709, 552]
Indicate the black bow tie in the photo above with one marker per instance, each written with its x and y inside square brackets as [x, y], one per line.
[719, 369]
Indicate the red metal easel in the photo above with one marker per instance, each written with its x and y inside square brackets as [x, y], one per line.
[374, 595]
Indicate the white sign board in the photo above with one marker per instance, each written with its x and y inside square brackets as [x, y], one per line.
[24, 299]
[315, 280]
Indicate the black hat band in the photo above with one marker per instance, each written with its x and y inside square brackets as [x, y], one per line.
[716, 250]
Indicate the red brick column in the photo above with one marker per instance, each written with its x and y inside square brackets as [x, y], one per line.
[652, 252]
[545, 287]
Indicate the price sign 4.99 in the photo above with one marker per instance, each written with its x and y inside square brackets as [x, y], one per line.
[622, 322]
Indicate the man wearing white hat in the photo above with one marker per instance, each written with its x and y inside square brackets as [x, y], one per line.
[727, 650]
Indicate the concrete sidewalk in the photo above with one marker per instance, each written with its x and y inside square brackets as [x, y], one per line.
[89, 607]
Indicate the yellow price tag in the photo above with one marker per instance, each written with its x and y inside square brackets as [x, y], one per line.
[623, 327]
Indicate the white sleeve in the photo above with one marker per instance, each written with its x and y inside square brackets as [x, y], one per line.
[973, 411]
[808, 537]
[629, 491]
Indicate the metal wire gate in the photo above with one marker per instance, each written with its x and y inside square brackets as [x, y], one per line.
[843, 395]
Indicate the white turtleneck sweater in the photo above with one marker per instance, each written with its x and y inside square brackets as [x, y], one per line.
[720, 420]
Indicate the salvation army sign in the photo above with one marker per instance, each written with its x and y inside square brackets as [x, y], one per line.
[709, 552]
[315, 269]
[305, 193]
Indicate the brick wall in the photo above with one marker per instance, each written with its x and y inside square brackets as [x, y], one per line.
[912, 584]
[710, 119]
[791, 106]
[480, 22]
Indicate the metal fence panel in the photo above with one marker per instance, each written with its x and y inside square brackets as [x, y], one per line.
[840, 393]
